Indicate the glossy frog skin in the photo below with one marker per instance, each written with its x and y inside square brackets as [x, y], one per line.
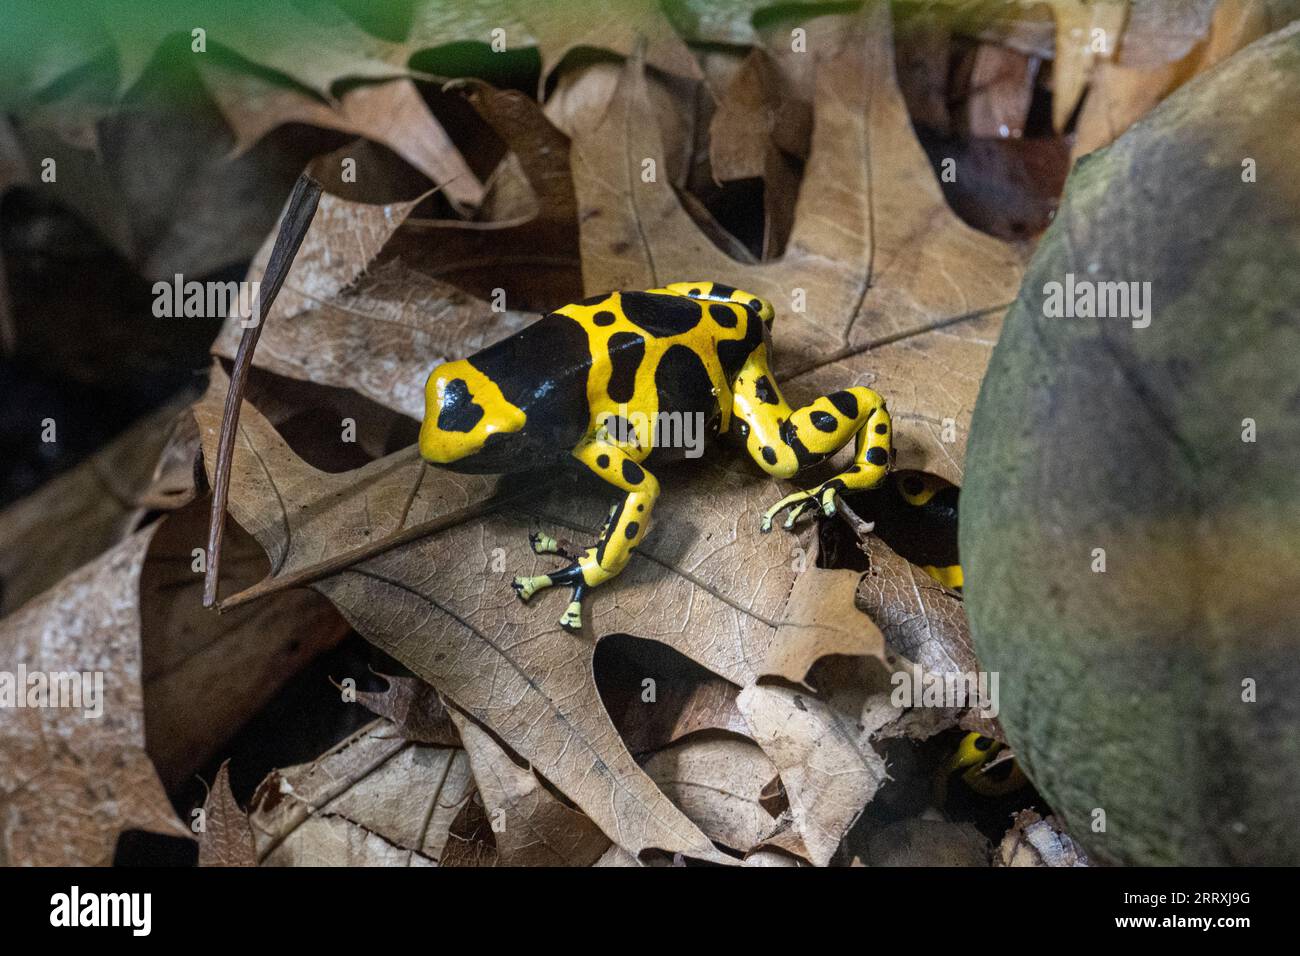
[588, 381]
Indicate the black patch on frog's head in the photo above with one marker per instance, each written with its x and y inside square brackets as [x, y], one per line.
[542, 370]
[626, 350]
[458, 411]
[764, 391]
[661, 314]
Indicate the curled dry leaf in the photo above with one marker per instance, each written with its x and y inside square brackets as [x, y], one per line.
[920, 618]
[373, 800]
[826, 762]
[226, 838]
[1150, 66]
[529, 825]
[415, 709]
[1035, 841]
[391, 113]
[718, 781]
[73, 778]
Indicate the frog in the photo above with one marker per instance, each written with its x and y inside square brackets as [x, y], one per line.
[981, 764]
[589, 382]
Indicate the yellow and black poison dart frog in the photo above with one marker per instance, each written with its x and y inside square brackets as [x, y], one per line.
[589, 381]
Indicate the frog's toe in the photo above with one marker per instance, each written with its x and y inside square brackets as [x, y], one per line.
[799, 510]
[765, 525]
[542, 543]
[527, 587]
[571, 620]
[827, 499]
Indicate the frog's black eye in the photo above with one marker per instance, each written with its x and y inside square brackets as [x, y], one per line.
[755, 306]
[983, 743]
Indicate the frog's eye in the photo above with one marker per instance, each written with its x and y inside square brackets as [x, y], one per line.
[983, 743]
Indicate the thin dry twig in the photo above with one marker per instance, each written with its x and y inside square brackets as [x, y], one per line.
[297, 219]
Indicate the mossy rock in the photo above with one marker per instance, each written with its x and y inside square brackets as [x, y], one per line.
[1122, 691]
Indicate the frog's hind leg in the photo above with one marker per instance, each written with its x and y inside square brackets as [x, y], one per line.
[623, 531]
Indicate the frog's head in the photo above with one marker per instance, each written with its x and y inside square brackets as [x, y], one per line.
[717, 292]
[464, 410]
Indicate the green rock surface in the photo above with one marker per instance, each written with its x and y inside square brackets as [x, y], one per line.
[1122, 690]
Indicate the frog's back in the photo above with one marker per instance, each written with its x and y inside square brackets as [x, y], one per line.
[663, 352]
[614, 364]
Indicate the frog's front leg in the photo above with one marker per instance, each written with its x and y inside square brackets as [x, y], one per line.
[623, 531]
[784, 441]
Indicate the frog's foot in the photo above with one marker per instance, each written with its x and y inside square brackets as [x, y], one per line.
[571, 619]
[543, 543]
[527, 587]
[800, 503]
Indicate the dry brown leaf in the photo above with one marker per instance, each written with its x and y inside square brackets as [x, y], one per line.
[470, 840]
[1087, 33]
[1124, 92]
[743, 144]
[391, 113]
[77, 515]
[817, 623]
[1164, 30]
[70, 784]
[415, 709]
[529, 825]
[556, 29]
[226, 838]
[373, 800]
[825, 760]
[717, 781]
[920, 618]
